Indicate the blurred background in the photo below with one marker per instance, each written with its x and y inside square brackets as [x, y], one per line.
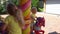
[50, 9]
[39, 4]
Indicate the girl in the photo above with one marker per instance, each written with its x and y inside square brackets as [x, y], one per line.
[14, 23]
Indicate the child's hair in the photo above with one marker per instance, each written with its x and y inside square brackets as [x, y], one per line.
[11, 8]
[34, 10]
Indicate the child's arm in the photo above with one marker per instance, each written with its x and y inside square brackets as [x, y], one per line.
[20, 17]
[6, 21]
[4, 27]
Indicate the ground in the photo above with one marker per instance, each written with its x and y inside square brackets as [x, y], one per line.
[52, 22]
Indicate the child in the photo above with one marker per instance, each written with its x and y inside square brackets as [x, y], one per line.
[15, 22]
[34, 11]
[33, 16]
[40, 21]
[12, 22]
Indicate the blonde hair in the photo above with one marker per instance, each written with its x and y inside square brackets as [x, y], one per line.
[34, 8]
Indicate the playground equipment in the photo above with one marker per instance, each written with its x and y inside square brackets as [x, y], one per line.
[37, 26]
[25, 6]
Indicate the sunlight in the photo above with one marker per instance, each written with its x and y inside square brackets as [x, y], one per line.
[53, 8]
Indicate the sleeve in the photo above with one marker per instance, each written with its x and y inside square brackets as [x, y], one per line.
[32, 16]
[6, 21]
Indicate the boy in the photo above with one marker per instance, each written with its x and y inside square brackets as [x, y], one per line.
[33, 16]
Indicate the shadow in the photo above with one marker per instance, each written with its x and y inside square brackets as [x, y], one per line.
[54, 33]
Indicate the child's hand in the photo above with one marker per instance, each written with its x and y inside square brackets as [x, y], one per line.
[24, 27]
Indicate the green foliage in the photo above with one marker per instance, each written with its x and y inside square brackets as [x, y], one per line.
[38, 5]
[40, 9]
[16, 2]
[34, 3]
[3, 6]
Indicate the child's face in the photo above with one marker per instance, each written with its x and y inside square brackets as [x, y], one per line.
[34, 11]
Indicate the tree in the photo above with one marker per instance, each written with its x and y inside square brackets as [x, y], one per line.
[3, 6]
[34, 3]
[39, 4]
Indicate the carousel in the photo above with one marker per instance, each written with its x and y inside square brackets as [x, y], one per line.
[25, 6]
